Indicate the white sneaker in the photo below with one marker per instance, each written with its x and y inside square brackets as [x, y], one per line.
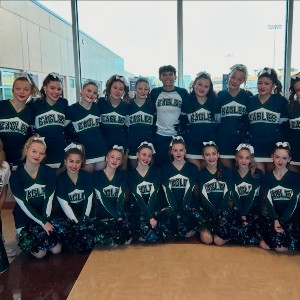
[9, 252]
[128, 242]
[190, 234]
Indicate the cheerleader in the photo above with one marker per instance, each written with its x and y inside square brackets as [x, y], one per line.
[247, 181]
[201, 110]
[266, 113]
[179, 179]
[33, 187]
[293, 134]
[4, 177]
[85, 118]
[110, 186]
[16, 118]
[215, 186]
[75, 194]
[281, 189]
[144, 183]
[141, 119]
[233, 114]
[49, 111]
[114, 113]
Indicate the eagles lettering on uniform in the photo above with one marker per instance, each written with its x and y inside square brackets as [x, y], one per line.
[50, 123]
[168, 107]
[265, 120]
[14, 129]
[178, 185]
[114, 122]
[231, 111]
[33, 196]
[246, 191]
[75, 199]
[110, 193]
[145, 189]
[50, 118]
[282, 195]
[215, 194]
[86, 123]
[141, 125]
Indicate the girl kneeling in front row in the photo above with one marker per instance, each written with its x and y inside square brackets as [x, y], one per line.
[110, 187]
[33, 187]
[215, 186]
[74, 192]
[179, 181]
[281, 189]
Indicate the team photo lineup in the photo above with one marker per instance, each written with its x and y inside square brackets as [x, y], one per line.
[166, 165]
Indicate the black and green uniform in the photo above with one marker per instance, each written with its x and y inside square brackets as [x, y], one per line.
[144, 190]
[141, 125]
[232, 111]
[110, 193]
[14, 128]
[246, 191]
[50, 123]
[33, 197]
[215, 193]
[114, 123]
[75, 199]
[265, 120]
[202, 126]
[179, 185]
[86, 123]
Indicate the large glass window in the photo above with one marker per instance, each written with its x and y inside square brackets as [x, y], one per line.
[295, 64]
[219, 34]
[7, 78]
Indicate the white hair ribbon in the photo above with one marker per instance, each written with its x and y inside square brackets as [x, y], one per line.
[122, 78]
[283, 144]
[210, 143]
[296, 76]
[116, 147]
[177, 138]
[247, 146]
[148, 144]
[266, 70]
[55, 75]
[40, 139]
[24, 75]
[73, 146]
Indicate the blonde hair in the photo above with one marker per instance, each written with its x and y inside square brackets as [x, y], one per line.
[2, 154]
[34, 89]
[33, 139]
[252, 164]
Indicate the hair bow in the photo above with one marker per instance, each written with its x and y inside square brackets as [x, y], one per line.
[73, 146]
[148, 144]
[247, 146]
[210, 143]
[177, 138]
[266, 70]
[122, 78]
[40, 139]
[116, 147]
[283, 144]
[55, 75]
[296, 76]
[24, 75]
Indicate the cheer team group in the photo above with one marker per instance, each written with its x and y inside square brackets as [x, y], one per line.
[165, 164]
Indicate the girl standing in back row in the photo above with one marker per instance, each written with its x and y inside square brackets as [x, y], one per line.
[16, 118]
[232, 114]
[266, 112]
[49, 112]
[85, 118]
